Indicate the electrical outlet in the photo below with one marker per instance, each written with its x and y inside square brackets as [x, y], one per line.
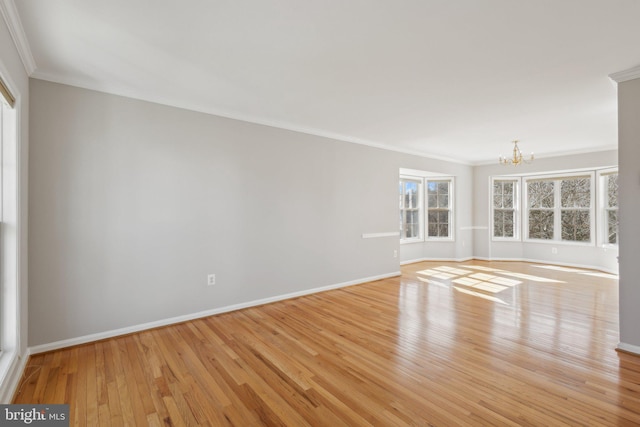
[211, 279]
[554, 251]
[395, 253]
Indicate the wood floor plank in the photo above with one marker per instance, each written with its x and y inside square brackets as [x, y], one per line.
[467, 344]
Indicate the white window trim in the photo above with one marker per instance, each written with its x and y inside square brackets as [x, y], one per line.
[421, 205]
[452, 211]
[603, 231]
[557, 226]
[517, 226]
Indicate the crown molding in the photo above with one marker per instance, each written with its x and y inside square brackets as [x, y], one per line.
[625, 75]
[11, 17]
[112, 90]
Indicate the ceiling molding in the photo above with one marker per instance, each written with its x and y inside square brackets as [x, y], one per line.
[66, 80]
[598, 149]
[625, 75]
[11, 17]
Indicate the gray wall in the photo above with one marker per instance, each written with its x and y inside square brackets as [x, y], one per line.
[629, 193]
[15, 168]
[484, 247]
[132, 204]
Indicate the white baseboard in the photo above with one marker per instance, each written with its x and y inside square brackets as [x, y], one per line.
[629, 348]
[14, 374]
[413, 261]
[179, 319]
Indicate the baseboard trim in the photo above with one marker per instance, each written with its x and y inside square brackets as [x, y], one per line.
[628, 348]
[43, 348]
[413, 261]
[14, 373]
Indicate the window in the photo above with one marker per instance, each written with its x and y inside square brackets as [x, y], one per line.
[505, 208]
[439, 208]
[560, 208]
[426, 208]
[410, 209]
[541, 209]
[575, 212]
[9, 326]
[608, 180]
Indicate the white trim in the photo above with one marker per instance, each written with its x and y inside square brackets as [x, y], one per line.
[625, 75]
[179, 319]
[386, 234]
[413, 261]
[635, 349]
[12, 18]
[474, 227]
[235, 115]
[10, 382]
[598, 149]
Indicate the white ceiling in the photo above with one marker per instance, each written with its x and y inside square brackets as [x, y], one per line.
[455, 79]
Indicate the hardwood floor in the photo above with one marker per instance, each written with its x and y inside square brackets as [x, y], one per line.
[446, 344]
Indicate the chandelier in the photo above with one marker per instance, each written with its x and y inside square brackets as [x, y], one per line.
[517, 157]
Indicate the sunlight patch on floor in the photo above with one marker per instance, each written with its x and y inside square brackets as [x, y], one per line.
[479, 295]
[578, 271]
[479, 280]
[530, 277]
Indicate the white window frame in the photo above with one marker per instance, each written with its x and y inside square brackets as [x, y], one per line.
[452, 193]
[603, 226]
[421, 219]
[557, 208]
[517, 234]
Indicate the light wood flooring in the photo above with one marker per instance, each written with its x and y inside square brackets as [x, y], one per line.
[445, 344]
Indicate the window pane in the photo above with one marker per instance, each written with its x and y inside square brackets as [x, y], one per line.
[411, 223]
[508, 225]
[497, 200]
[432, 201]
[503, 223]
[443, 188]
[576, 225]
[498, 221]
[612, 190]
[411, 195]
[438, 223]
[443, 201]
[540, 194]
[575, 193]
[507, 201]
[541, 224]
[507, 188]
[497, 194]
[432, 187]
[612, 226]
